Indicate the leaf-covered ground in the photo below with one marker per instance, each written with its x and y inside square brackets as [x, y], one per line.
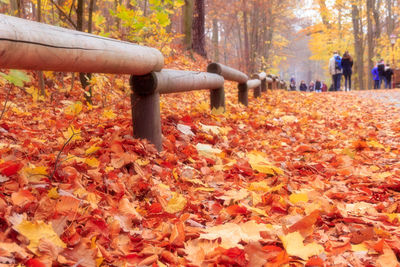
[294, 179]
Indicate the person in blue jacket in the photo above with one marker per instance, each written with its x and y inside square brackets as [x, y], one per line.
[375, 77]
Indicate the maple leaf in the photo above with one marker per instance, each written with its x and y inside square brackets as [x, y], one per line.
[259, 163]
[91, 150]
[198, 249]
[293, 243]
[72, 134]
[35, 231]
[298, 197]
[176, 204]
[74, 109]
[231, 234]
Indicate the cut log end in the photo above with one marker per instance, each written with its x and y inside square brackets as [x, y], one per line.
[143, 84]
[214, 68]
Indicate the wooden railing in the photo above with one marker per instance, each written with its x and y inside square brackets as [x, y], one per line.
[36, 46]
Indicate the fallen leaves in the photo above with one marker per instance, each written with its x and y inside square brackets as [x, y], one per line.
[37, 231]
[285, 181]
[294, 245]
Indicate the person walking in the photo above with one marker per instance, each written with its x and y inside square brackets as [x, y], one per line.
[324, 87]
[318, 86]
[347, 65]
[303, 86]
[375, 77]
[381, 72]
[292, 84]
[311, 86]
[388, 76]
[335, 69]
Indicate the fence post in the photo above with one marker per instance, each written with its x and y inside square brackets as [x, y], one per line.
[217, 98]
[257, 91]
[243, 94]
[264, 85]
[146, 118]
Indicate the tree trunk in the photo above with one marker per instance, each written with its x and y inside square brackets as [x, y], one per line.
[375, 11]
[15, 8]
[389, 17]
[199, 41]
[79, 15]
[40, 73]
[90, 19]
[215, 40]
[246, 38]
[370, 41]
[358, 45]
[187, 23]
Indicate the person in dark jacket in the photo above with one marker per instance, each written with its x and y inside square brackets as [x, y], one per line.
[318, 86]
[381, 72]
[388, 76]
[347, 65]
[303, 86]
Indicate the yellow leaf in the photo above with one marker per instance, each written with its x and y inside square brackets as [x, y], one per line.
[99, 261]
[295, 198]
[218, 111]
[206, 189]
[74, 134]
[109, 114]
[256, 210]
[375, 144]
[393, 216]
[53, 193]
[34, 174]
[294, 246]
[34, 231]
[263, 187]
[176, 204]
[92, 162]
[93, 242]
[359, 247]
[74, 109]
[142, 162]
[259, 163]
[91, 150]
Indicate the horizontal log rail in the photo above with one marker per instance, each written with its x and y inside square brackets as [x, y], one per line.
[229, 74]
[31, 45]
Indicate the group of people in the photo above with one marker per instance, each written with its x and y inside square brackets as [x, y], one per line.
[343, 67]
[318, 86]
[382, 72]
[339, 66]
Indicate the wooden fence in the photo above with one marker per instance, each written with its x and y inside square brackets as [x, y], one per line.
[31, 45]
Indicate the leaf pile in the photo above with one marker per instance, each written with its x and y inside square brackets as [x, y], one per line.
[292, 179]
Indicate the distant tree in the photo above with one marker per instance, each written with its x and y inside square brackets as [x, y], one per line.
[199, 41]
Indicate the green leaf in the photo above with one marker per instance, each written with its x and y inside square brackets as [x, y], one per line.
[16, 77]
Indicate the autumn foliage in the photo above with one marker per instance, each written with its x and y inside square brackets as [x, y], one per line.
[295, 178]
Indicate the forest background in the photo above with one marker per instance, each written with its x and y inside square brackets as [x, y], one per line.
[287, 38]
